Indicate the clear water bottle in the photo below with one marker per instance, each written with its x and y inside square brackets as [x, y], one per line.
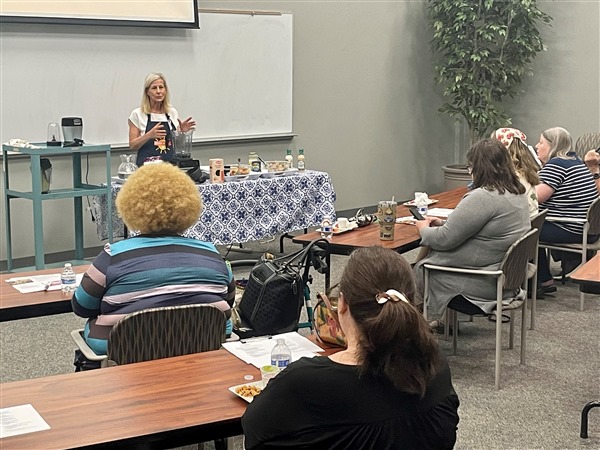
[281, 355]
[327, 227]
[67, 279]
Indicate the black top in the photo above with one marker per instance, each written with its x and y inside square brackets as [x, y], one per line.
[317, 403]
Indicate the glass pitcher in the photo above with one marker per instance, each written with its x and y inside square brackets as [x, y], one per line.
[127, 166]
[182, 143]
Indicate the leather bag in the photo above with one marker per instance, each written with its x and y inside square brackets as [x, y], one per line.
[326, 321]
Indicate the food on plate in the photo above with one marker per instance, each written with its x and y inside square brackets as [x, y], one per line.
[239, 170]
[248, 390]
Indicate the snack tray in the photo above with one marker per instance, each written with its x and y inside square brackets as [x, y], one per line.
[430, 201]
[258, 384]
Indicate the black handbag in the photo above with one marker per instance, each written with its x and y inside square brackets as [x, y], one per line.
[274, 295]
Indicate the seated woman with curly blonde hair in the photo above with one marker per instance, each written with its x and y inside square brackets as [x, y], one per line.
[159, 267]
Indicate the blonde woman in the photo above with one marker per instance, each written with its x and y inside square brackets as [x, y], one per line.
[151, 124]
[159, 267]
[525, 164]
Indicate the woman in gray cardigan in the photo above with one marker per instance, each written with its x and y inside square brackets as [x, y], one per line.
[486, 222]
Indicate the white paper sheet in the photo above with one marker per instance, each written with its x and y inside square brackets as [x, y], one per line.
[439, 212]
[20, 419]
[39, 283]
[257, 351]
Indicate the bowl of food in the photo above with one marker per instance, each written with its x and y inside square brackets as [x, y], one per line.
[240, 169]
[277, 166]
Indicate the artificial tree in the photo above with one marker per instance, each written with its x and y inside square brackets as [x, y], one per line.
[483, 48]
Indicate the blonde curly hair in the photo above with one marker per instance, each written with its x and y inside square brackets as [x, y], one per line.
[159, 198]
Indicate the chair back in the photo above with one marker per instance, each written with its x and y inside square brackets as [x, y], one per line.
[593, 218]
[537, 221]
[514, 263]
[164, 332]
[587, 142]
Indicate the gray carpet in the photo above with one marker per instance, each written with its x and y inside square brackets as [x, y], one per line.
[538, 407]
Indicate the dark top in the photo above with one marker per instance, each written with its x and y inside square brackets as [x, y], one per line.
[317, 403]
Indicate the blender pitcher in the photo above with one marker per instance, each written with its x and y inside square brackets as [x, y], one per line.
[182, 143]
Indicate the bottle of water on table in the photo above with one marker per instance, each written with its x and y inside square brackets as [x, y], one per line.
[281, 355]
[67, 279]
[327, 227]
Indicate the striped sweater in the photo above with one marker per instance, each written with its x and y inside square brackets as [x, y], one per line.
[147, 272]
[574, 190]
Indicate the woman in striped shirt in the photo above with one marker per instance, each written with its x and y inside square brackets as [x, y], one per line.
[566, 189]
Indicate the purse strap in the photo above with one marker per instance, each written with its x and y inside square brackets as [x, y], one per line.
[302, 253]
[332, 309]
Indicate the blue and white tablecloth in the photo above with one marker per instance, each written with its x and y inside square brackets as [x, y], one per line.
[236, 212]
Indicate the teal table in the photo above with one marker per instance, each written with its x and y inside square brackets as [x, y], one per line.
[78, 191]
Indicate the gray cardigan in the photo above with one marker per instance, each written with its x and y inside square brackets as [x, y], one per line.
[476, 235]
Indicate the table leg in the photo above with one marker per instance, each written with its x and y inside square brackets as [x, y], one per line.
[38, 218]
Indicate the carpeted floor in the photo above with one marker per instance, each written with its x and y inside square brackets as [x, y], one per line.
[538, 407]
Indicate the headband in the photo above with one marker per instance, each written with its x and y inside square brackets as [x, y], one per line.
[390, 294]
[506, 135]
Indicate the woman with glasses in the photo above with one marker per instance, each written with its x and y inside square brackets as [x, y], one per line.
[389, 389]
[486, 222]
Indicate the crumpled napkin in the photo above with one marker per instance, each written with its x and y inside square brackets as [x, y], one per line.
[20, 143]
[421, 198]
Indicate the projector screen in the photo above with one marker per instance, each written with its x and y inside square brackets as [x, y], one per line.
[155, 13]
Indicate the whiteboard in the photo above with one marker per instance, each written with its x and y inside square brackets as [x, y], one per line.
[233, 76]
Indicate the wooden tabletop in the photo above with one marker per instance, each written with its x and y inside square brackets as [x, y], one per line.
[15, 305]
[406, 237]
[589, 273]
[164, 403]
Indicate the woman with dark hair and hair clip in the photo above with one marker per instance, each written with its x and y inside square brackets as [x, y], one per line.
[391, 388]
[486, 222]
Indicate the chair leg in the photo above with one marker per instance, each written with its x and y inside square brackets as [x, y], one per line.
[523, 331]
[498, 348]
[454, 330]
[533, 296]
[511, 336]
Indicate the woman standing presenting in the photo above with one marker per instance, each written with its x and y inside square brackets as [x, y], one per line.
[151, 124]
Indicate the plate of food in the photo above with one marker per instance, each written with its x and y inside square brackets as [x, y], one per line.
[430, 201]
[247, 391]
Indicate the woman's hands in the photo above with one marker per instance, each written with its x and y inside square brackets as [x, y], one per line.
[428, 222]
[187, 125]
[157, 132]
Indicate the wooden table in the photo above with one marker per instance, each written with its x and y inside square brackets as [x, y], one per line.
[164, 403]
[588, 276]
[406, 237]
[15, 305]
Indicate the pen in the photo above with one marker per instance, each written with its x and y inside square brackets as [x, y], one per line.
[243, 341]
[51, 283]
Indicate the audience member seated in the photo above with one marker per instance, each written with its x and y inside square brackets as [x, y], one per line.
[390, 389]
[486, 222]
[592, 161]
[159, 267]
[566, 189]
[525, 164]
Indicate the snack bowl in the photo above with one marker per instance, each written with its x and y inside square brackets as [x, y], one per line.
[277, 166]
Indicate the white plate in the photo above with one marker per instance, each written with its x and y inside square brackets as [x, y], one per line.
[287, 172]
[412, 202]
[236, 177]
[258, 384]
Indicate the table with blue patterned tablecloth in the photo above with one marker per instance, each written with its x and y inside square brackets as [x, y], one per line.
[249, 210]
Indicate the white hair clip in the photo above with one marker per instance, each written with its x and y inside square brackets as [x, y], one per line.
[390, 294]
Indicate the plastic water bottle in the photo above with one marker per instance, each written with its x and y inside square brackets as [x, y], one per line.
[281, 355]
[67, 279]
[327, 227]
[422, 206]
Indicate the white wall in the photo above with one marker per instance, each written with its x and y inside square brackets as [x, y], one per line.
[365, 106]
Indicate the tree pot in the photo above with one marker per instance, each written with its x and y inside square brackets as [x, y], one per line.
[455, 176]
